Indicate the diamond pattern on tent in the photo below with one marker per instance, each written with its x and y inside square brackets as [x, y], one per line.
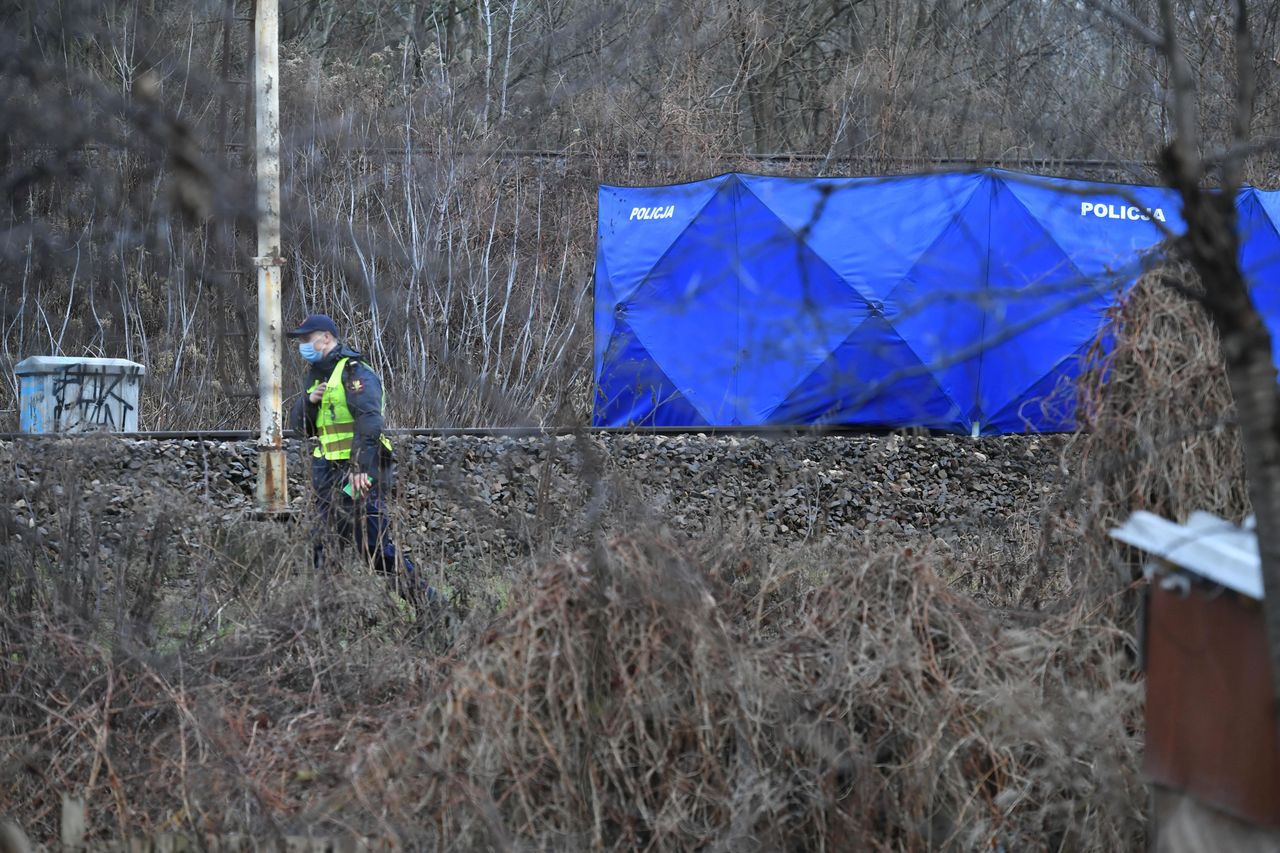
[1069, 210]
[1049, 405]
[873, 378]
[937, 308]
[972, 301]
[1259, 243]
[684, 311]
[1260, 260]
[1270, 204]
[1041, 307]
[647, 397]
[872, 230]
[633, 246]
[794, 310]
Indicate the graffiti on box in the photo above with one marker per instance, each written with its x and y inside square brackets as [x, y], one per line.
[60, 395]
[88, 396]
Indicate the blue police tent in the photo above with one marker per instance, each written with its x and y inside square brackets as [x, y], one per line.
[960, 301]
[1259, 225]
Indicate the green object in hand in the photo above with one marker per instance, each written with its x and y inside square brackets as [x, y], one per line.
[346, 488]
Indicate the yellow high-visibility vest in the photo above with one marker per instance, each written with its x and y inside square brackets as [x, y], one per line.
[335, 424]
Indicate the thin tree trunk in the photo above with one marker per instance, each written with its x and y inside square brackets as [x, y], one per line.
[1211, 245]
[1252, 375]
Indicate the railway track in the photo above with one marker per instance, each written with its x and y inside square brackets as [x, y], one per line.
[522, 432]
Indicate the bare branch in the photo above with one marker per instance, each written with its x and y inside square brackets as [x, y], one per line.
[1131, 24]
[1241, 151]
[1186, 141]
[1233, 163]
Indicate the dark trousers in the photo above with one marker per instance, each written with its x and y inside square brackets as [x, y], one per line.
[362, 522]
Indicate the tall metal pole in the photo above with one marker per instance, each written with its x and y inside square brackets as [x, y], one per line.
[273, 495]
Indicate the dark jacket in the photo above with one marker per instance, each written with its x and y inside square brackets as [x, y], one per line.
[364, 399]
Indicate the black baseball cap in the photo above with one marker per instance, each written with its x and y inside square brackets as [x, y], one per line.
[314, 323]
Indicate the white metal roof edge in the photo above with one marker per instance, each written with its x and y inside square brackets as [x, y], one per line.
[1208, 546]
[37, 364]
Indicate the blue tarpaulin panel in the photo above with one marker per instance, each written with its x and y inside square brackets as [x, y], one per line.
[1259, 226]
[961, 302]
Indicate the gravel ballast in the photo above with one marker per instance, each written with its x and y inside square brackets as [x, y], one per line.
[463, 498]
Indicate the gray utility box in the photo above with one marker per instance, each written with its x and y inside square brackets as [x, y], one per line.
[60, 394]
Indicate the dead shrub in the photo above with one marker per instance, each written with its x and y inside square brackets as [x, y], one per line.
[1158, 433]
[632, 701]
[648, 691]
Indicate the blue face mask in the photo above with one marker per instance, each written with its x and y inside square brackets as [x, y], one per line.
[310, 353]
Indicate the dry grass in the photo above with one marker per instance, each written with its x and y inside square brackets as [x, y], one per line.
[648, 692]
[652, 694]
[638, 702]
[1158, 434]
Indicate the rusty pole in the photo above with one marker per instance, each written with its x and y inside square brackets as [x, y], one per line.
[273, 496]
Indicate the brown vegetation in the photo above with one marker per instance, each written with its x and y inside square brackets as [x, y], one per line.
[648, 690]
[1158, 433]
[633, 687]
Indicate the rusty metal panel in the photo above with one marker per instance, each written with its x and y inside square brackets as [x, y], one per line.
[1210, 727]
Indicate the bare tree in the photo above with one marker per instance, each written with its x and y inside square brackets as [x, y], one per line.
[450, 220]
[1211, 245]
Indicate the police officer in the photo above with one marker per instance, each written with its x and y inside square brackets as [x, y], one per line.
[352, 468]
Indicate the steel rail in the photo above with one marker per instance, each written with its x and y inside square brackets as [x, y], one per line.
[796, 431]
[656, 156]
